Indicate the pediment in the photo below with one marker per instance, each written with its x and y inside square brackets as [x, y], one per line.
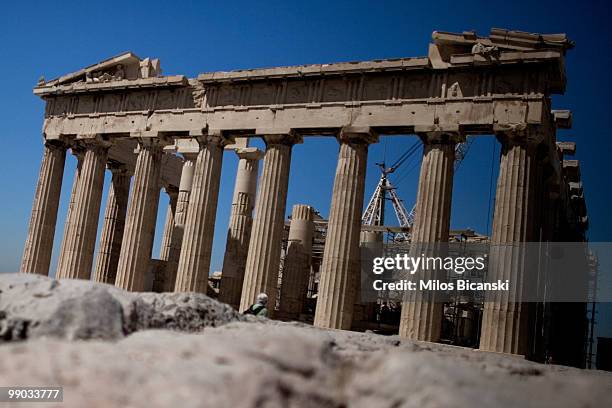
[125, 66]
[449, 48]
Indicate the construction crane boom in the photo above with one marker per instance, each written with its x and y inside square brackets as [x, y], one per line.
[374, 213]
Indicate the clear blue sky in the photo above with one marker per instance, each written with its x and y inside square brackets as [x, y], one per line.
[53, 38]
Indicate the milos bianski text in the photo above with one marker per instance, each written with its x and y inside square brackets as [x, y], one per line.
[436, 285]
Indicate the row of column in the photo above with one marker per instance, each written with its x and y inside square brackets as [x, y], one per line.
[190, 223]
[127, 233]
[505, 317]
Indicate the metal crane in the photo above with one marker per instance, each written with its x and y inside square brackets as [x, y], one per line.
[374, 213]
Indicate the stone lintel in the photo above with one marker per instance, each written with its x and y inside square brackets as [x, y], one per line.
[275, 131]
[435, 127]
[470, 115]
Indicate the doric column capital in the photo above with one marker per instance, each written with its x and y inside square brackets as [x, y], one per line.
[77, 149]
[440, 137]
[520, 134]
[93, 141]
[286, 137]
[150, 142]
[56, 144]
[357, 135]
[214, 138]
[249, 153]
[152, 138]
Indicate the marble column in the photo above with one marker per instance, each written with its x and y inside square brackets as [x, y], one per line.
[261, 270]
[240, 225]
[365, 307]
[114, 223]
[79, 240]
[194, 262]
[296, 270]
[340, 265]
[505, 317]
[166, 244]
[78, 152]
[139, 231]
[163, 278]
[180, 217]
[422, 312]
[41, 231]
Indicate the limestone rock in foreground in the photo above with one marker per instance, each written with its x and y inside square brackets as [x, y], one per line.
[270, 364]
[33, 306]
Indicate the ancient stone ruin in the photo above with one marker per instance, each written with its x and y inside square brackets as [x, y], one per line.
[154, 131]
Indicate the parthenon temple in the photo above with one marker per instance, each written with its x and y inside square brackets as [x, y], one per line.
[155, 132]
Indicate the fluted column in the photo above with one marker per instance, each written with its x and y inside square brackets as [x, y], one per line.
[180, 217]
[365, 309]
[422, 312]
[78, 152]
[79, 241]
[139, 231]
[114, 223]
[194, 263]
[296, 270]
[41, 231]
[505, 318]
[340, 265]
[164, 279]
[240, 225]
[261, 270]
[166, 244]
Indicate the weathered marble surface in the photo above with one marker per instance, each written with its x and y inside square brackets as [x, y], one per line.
[33, 306]
[256, 363]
